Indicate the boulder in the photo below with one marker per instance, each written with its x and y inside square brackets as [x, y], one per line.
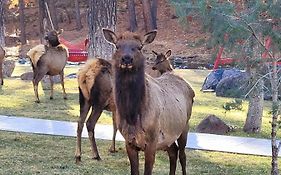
[8, 67]
[233, 85]
[45, 81]
[213, 125]
[27, 76]
[214, 77]
[212, 80]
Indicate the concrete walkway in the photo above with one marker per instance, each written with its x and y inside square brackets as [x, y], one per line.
[211, 142]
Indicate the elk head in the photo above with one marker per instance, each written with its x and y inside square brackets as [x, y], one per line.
[128, 55]
[161, 62]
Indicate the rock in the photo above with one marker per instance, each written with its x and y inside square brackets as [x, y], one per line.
[45, 81]
[213, 125]
[27, 76]
[212, 80]
[8, 68]
[233, 85]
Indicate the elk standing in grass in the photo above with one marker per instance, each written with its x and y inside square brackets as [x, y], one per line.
[48, 60]
[2, 56]
[152, 114]
[95, 92]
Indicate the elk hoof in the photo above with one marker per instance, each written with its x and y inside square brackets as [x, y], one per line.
[78, 160]
[51, 98]
[97, 158]
[65, 98]
[37, 101]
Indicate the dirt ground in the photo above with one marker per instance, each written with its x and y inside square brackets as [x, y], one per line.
[187, 42]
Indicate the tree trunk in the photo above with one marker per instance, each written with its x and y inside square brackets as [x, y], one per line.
[132, 16]
[42, 15]
[2, 27]
[154, 13]
[53, 13]
[255, 110]
[274, 123]
[22, 22]
[102, 14]
[78, 17]
[146, 6]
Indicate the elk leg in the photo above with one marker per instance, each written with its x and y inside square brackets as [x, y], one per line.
[84, 109]
[91, 123]
[149, 154]
[1, 72]
[62, 85]
[112, 147]
[38, 75]
[134, 159]
[52, 87]
[173, 156]
[182, 140]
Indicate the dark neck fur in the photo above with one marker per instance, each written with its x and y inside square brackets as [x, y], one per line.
[54, 43]
[129, 92]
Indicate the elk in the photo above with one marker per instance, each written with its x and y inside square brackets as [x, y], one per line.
[2, 56]
[95, 92]
[48, 60]
[152, 113]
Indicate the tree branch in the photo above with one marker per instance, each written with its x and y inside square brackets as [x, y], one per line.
[256, 37]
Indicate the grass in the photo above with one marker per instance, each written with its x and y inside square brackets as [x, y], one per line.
[39, 154]
[22, 153]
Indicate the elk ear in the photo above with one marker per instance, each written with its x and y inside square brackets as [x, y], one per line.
[149, 37]
[109, 36]
[154, 52]
[60, 31]
[168, 53]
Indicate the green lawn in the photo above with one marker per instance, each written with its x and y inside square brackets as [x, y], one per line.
[38, 154]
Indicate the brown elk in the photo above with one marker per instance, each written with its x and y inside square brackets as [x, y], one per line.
[152, 113]
[95, 91]
[162, 63]
[48, 60]
[2, 56]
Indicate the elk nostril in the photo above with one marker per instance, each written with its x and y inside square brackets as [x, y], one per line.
[127, 59]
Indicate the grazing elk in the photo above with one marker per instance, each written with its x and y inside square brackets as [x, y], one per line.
[2, 56]
[152, 113]
[49, 60]
[162, 63]
[95, 92]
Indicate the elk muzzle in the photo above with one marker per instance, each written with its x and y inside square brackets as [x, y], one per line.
[126, 62]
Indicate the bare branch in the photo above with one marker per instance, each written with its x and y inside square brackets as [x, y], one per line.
[256, 84]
